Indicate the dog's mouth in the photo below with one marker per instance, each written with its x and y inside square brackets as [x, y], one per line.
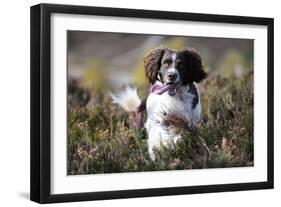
[160, 89]
[172, 90]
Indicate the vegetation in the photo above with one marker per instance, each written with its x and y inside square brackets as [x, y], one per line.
[102, 137]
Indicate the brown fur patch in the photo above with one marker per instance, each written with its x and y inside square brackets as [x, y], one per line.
[152, 63]
[195, 72]
[175, 120]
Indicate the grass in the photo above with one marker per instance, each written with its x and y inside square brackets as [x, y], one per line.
[102, 137]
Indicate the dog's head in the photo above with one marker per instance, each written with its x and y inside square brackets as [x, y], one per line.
[174, 66]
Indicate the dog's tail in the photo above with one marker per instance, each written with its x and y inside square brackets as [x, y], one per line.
[129, 100]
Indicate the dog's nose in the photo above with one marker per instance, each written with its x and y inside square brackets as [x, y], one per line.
[172, 75]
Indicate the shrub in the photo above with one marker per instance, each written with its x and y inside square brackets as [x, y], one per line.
[102, 138]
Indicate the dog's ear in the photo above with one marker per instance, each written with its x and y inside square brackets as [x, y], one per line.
[195, 71]
[152, 63]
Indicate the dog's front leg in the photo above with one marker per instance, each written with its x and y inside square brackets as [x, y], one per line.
[153, 140]
[157, 136]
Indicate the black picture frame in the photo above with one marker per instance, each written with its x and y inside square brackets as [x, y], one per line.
[41, 99]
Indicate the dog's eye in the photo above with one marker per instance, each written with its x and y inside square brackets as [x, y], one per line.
[179, 64]
[165, 65]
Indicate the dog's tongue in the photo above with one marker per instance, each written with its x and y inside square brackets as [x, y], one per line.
[159, 89]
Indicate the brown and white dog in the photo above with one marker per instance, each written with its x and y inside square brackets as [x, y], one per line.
[173, 75]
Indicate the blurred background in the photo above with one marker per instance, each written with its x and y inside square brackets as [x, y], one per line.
[101, 60]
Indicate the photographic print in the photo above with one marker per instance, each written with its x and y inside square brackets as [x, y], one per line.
[132, 103]
[141, 102]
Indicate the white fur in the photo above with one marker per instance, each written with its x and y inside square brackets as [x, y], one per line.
[174, 57]
[159, 105]
[173, 69]
[127, 99]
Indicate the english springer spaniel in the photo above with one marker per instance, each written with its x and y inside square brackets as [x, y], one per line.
[173, 75]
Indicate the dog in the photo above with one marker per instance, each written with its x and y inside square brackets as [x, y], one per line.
[173, 76]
